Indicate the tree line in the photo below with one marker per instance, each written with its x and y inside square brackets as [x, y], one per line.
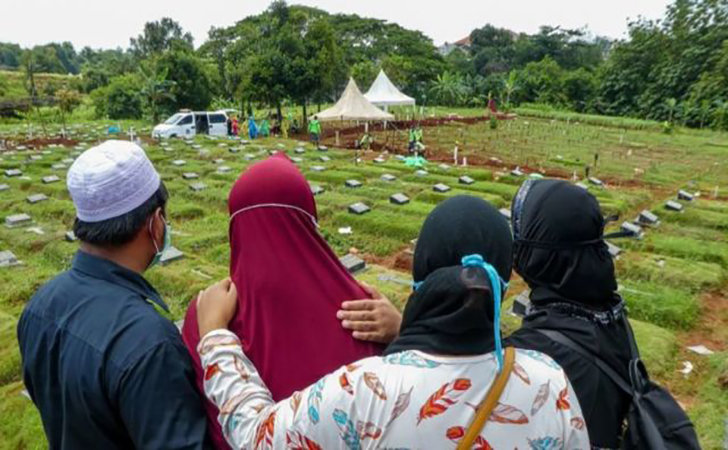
[674, 69]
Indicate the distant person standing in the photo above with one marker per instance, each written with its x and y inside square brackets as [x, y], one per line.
[229, 123]
[265, 128]
[102, 364]
[314, 130]
[236, 126]
[252, 128]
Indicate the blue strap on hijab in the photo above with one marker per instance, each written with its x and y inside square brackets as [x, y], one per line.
[498, 287]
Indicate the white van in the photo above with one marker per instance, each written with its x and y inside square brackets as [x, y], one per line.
[190, 123]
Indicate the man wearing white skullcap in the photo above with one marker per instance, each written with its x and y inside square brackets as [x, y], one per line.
[105, 368]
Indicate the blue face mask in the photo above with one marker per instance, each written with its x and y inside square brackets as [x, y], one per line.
[165, 247]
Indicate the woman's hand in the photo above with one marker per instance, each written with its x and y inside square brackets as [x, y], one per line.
[375, 319]
[216, 306]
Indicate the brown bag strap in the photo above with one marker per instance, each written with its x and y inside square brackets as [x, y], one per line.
[491, 400]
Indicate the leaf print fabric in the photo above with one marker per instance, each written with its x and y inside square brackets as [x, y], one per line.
[403, 401]
[373, 383]
[443, 399]
[410, 358]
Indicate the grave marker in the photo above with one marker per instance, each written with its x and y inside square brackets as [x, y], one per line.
[33, 199]
[8, 259]
[613, 249]
[517, 172]
[648, 218]
[466, 180]
[444, 167]
[296, 160]
[353, 263]
[323, 148]
[224, 169]
[522, 303]
[318, 168]
[399, 199]
[324, 158]
[190, 176]
[197, 187]
[172, 254]
[353, 183]
[50, 179]
[379, 160]
[316, 190]
[299, 151]
[4, 187]
[179, 162]
[672, 205]
[359, 208]
[70, 236]
[634, 230]
[17, 220]
[218, 161]
[439, 187]
[58, 166]
[234, 150]
[388, 177]
[13, 173]
[596, 181]
[421, 173]
[684, 195]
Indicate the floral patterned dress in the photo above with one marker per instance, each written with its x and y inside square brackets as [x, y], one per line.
[407, 400]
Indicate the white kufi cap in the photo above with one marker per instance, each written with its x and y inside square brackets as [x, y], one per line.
[110, 180]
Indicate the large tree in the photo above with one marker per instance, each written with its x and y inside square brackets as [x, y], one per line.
[160, 36]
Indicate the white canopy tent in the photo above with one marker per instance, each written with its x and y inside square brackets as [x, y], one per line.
[384, 93]
[353, 106]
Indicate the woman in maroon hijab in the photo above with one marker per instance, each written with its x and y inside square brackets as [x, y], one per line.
[290, 286]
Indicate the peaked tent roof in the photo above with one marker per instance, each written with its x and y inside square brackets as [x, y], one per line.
[384, 93]
[353, 106]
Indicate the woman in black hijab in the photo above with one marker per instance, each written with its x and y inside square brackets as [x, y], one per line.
[452, 311]
[560, 252]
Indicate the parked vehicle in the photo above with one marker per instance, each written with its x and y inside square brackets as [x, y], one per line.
[188, 123]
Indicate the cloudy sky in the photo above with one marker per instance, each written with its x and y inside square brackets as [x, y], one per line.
[107, 24]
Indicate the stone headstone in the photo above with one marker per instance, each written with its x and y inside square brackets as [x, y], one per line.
[67, 161]
[421, 173]
[318, 168]
[296, 160]
[299, 151]
[58, 166]
[8, 259]
[13, 173]
[399, 199]
[444, 167]
[249, 157]
[596, 181]
[324, 158]
[399, 157]
[634, 230]
[316, 190]
[179, 162]
[35, 157]
[323, 148]
[517, 172]
[190, 176]
[465, 180]
[521, 303]
[613, 249]
[35, 198]
[505, 212]
[388, 177]
[17, 220]
[172, 254]
[648, 218]
[50, 179]
[685, 196]
[70, 236]
[197, 187]
[218, 161]
[4, 187]
[672, 205]
[379, 160]
[359, 208]
[353, 263]
[224, 169]
[353, 183]
[439, 187]
[582, 185]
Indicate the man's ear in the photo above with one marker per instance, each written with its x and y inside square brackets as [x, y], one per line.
[158, 226]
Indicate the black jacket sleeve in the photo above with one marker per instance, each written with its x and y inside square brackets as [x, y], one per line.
[159, 402]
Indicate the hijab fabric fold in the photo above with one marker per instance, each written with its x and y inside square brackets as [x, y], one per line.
[452, 311]
[290, 285]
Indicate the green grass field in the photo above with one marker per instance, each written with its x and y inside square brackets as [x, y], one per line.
[663, 277]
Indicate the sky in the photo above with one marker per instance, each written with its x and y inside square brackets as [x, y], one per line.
[107, 24]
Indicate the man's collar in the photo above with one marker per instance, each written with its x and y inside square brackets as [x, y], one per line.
[107, 270]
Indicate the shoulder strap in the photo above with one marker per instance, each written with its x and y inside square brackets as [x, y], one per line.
[491, 400]
[566, 341]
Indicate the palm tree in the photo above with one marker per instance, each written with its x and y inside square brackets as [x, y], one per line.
[448, 89]
[156, 87]
[510, 85]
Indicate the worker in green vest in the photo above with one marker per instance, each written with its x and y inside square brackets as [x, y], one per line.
[314, 129]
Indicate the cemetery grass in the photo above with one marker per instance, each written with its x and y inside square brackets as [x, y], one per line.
[664, 276]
